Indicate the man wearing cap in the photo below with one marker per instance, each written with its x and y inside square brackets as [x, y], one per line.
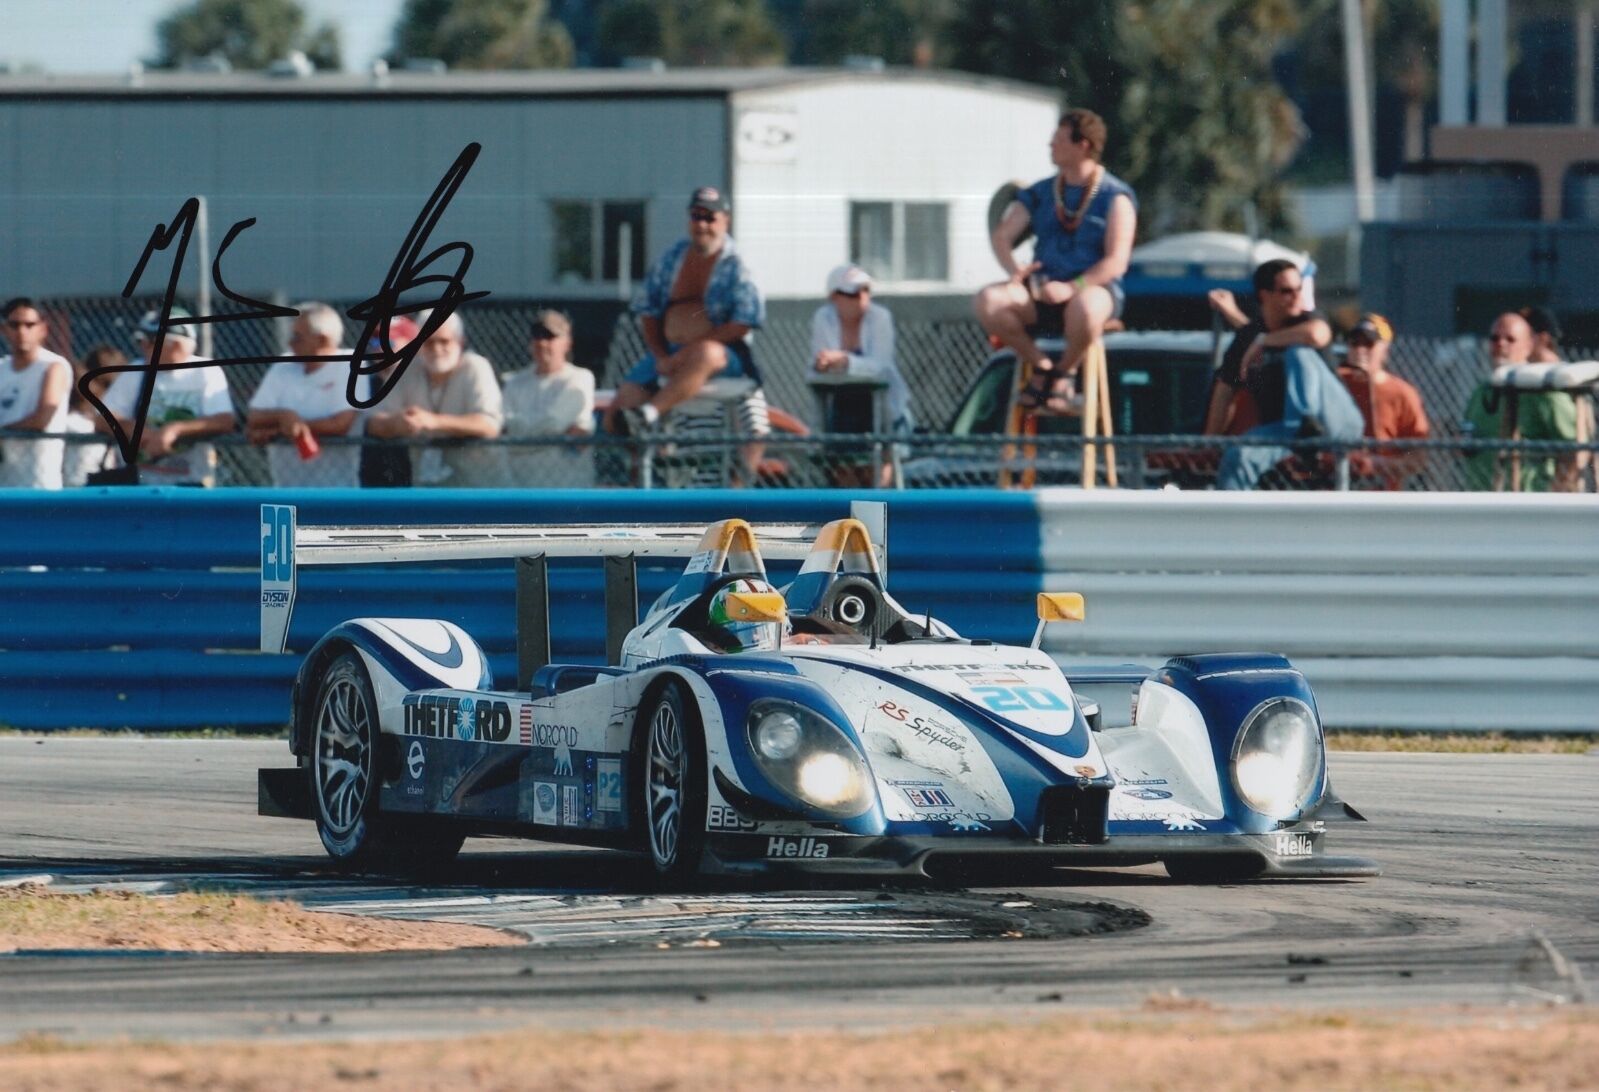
[188, 403]
[302, 401]
[554, 397]
[1391, 407]
[448, 392]
[34, 388]
[853, 335]
[1540, 415]
[697, 309]
[1083, 219]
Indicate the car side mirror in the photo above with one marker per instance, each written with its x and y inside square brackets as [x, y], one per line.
[1057, 607]
[756, 607]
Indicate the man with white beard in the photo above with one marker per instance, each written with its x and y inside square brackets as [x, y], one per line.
[447, 392]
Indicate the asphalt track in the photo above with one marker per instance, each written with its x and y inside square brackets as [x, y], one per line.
[1488, 895]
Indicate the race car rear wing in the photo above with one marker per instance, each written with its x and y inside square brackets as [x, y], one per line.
[286, 546]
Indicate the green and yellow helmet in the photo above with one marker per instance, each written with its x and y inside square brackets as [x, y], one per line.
[729, 626]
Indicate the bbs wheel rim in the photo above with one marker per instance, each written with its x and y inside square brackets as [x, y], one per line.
[665, 783]
[343, 753]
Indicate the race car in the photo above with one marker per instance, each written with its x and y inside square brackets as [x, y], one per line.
[741, 728]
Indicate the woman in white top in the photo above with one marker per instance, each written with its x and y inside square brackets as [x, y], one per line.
[849, 333]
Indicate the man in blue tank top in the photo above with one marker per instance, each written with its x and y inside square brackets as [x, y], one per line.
[1083, 219]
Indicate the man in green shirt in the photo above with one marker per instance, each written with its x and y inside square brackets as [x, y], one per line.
[1540, 415]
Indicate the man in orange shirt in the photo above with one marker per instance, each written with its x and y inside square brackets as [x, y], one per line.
[1391, 407]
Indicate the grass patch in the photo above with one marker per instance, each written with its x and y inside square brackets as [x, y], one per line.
[1462, 743]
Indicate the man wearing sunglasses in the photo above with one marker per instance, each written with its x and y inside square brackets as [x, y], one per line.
[34, 384]
[697, 310]
[1540, 415]
[1274, 383]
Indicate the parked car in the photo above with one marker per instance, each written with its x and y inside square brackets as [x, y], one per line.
[1159, 382]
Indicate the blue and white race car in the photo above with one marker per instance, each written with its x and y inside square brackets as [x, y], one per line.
[740, 728]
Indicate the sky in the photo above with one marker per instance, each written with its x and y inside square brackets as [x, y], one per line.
[83, 37]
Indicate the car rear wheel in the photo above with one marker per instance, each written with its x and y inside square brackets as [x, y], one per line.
[673, 784]
[343, 769]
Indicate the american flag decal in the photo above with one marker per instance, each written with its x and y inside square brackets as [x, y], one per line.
[526, 717]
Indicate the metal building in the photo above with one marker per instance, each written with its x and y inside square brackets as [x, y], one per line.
[583, 176]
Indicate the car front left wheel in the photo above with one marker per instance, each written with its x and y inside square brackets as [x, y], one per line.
[673, 783]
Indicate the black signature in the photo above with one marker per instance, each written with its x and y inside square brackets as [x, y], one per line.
[405, 277]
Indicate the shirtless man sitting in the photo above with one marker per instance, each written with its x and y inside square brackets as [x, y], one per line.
[697, 310]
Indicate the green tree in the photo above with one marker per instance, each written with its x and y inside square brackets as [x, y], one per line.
[1209, 131]
[902, 32]
[1198, 125]
[690, 33]
[482, 34]
[249, 33]
[1405, 36]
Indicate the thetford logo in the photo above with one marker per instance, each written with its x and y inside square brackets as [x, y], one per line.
[796, 847]
[929, 730]
[971, 667]
[442, 717]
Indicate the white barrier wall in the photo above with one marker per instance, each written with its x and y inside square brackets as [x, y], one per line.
[1405, 610]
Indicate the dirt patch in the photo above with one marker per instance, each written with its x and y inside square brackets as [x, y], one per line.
[1142, 1050]
[33, 917]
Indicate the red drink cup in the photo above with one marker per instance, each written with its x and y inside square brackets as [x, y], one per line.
[309, 448]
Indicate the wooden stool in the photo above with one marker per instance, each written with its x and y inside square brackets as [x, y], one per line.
[1095, 381]
[1096, 416]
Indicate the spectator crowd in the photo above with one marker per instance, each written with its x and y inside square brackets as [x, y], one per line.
[1277, 389]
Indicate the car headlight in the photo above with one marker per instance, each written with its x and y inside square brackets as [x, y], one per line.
[807, 757]
[1277, 757]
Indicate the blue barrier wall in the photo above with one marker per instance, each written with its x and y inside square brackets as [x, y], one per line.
[138, 607]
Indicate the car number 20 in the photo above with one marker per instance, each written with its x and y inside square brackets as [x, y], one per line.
[1019, 699]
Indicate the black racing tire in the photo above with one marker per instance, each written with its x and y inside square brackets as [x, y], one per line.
[852, 601]
[343, 771]
[671, 786]
[1228, 869]
[343, 739]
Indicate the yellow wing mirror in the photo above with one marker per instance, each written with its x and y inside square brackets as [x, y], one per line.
[1057, 607]
[756, 607]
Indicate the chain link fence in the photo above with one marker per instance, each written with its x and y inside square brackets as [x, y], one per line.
[940, 359]
[710, 459]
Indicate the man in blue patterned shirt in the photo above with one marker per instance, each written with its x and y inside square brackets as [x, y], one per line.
[696, 312]
[1083, 219]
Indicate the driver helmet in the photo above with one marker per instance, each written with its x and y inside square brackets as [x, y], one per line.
[738, 636]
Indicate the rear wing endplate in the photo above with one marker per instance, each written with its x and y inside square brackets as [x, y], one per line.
[286, 546]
